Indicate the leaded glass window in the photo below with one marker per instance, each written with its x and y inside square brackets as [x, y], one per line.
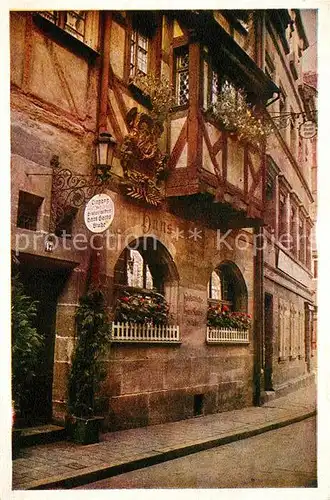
[139, 54]
[75, 23]
[214, 87]
[182, 78]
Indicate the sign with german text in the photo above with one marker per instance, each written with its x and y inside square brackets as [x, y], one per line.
[307, 130]
[99, 213]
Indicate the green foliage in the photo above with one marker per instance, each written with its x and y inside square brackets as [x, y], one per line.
[92, 329]
[27, 344]
[160, 93]
[141, 307]
[237, 115]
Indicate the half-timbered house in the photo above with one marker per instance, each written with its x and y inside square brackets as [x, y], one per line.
[189, 195]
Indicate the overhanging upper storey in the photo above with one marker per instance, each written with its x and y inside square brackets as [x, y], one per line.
[227, 53]
[217, 138]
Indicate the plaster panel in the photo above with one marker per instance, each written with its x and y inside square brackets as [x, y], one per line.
[117, 49]
[235, 164]
[58, 76]
[17, 49]
[176, 127]
[117, 113]
[207, 162]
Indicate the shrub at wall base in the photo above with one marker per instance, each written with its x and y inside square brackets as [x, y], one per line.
[92, 330]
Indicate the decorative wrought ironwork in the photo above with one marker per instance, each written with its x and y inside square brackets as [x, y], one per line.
[283, 120]
[70, 190]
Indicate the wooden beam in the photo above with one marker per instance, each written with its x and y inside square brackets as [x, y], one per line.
[105, 72]
[194, 130]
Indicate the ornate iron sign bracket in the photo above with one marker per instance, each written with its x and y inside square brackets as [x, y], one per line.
[283, 120]
[70, 190]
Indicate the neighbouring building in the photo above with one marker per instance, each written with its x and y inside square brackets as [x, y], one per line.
[194, 202]
[310, 98]
[288, 277]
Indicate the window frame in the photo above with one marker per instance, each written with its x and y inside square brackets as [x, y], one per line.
[54, 25]
[223, 301]
[135, 66]
[145, 269]
[31, 200]
[180, 52]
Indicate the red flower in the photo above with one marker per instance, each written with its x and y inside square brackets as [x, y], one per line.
[125, 299]
[225, 308]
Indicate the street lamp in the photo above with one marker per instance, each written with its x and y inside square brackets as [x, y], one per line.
[105, 146]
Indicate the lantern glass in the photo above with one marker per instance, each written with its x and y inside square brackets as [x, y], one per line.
[105, 149]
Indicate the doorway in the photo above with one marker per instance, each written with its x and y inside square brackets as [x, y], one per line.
[269, 335]
[43, 285]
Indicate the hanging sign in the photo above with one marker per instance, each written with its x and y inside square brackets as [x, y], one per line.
[307, 130]
[99, 213]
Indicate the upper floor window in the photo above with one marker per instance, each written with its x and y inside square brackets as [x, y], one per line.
[75, 23]
[182, 77]
[270, 67]
[282, 216]
[82, 25]
[214, 87]
[301, 240]
[270, 195]
[293, 230]
[139, 54]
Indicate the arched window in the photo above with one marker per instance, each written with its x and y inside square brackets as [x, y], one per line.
[138, 272]
[145, 267]
[227, 286]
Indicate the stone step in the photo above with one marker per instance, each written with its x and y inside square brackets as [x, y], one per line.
[42, 434]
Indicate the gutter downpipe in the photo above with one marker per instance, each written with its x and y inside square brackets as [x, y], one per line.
[97, 251]
[105, 73]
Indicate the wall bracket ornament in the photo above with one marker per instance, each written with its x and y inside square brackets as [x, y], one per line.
[143, 163]
[70, 191]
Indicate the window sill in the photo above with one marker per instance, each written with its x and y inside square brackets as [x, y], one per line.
[139, 96]
[178, 107]
[62, 36]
